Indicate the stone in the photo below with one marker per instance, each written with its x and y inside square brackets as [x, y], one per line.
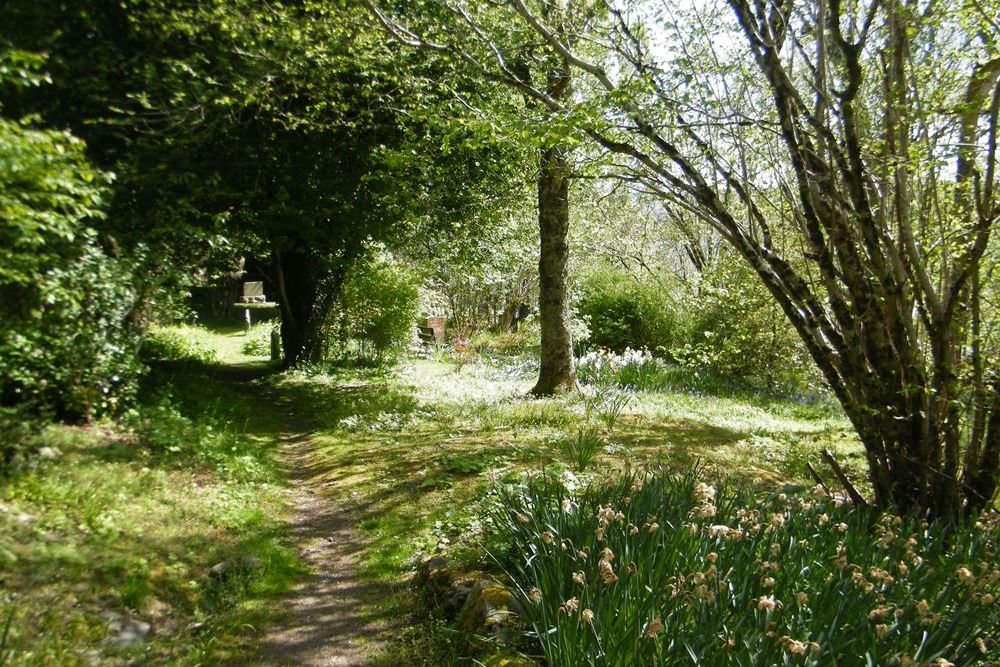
[433, 582]
[227, 568]
[491, 608]
[155, 608]
[124, 631]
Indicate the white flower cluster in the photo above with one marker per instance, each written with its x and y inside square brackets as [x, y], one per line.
[601, 359]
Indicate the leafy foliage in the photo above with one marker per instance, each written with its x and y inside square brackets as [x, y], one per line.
[668, 570]
[68, 331]
[623, 312]
[735, 329]
[378, 307]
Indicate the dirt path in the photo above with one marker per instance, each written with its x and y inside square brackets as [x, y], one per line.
[332, 619]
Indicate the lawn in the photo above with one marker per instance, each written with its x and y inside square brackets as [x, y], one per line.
[123, 521]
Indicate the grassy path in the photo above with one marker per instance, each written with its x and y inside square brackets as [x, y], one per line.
[333, 618]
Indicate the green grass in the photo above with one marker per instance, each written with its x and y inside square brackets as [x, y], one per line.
[128, 518]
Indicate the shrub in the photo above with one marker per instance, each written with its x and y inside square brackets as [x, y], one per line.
[172, 345]
[378, 307]
[68, 334]
[737, 330]
[668, 570]
[622, 312]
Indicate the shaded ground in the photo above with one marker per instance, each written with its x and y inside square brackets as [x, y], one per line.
[331, 617]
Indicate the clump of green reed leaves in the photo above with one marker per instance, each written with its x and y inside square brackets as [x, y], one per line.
[661, 569]
[606, 401]
[581, 450]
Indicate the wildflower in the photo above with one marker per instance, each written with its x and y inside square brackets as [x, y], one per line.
[802, 599]
[795, 647]
[582, 554]
[941, 662]
[653, 527]
[706, 511]
[704, 493]
[567, 505]
[630, 568]
[987, 600]
[522, 518]
[579, 577]
[903, 569]
[775, 550]
[814, 647]
[712, 557]
[881, 630]
[599, 532]
[777, 520]
[981, 645]
[965, 576]
[899, 613]
[718, 530]
[535, 595]
[706, 594]
[548, 537]
[767, 603]
[923, 608]
[768, 582]
[653, 628]
[633, 529]
[588, 616]
[824, 518]
[607, 572]
[906, 661]
[571, 605]
[819, 491]
[605, 515]
[607, 555]
[842, 527]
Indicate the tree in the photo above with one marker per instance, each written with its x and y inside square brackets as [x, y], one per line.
[822, 162]
[274, 130]
[525, 68]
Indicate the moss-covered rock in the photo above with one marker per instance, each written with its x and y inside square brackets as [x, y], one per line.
[491, 608]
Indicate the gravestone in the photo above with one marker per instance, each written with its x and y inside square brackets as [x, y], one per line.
[253, 292]
[253, 299]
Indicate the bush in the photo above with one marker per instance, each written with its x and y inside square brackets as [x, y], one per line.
[172, 345]
[737, 330]
[622, 312]
[669, 570]
[378, 307]
[68, 334]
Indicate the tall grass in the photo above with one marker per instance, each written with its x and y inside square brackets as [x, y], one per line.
[669, 570]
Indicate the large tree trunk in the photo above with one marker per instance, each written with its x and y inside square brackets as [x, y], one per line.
[296, 296]
[556, 373]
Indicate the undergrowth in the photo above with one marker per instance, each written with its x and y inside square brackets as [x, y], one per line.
[667, 569]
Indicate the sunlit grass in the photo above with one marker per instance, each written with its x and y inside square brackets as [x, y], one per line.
[126, 520]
